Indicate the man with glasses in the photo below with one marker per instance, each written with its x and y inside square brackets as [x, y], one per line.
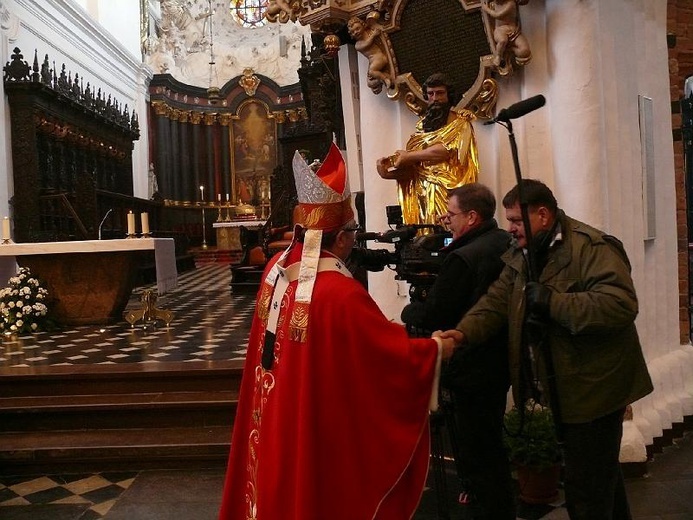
[478, 380]
[333, 414]
[439, 156]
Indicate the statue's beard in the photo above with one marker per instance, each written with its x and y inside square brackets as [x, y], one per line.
[436, 117]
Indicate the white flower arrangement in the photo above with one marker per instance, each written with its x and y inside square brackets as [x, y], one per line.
[22, 304]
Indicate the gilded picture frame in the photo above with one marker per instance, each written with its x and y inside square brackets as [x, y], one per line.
[253, 152]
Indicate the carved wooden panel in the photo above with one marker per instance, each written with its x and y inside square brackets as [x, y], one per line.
[67, 142]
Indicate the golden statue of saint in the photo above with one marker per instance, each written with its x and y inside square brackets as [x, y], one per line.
[439, 156]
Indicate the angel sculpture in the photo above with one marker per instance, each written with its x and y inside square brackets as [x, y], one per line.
[369, 42]
[510, 42]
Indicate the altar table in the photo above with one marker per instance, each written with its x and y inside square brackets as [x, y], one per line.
[90, 281]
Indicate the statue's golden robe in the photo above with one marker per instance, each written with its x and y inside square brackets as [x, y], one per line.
[423, 189]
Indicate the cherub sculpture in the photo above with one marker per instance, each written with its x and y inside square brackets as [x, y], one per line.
[369, 42]
[510, 42]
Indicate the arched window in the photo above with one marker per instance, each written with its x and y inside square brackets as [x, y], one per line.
[249, 13]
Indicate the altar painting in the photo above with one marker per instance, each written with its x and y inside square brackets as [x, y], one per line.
[254, 153]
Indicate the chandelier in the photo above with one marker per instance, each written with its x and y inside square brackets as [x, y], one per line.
[213, 91]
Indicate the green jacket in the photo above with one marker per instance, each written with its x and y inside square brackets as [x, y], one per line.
[597, 356]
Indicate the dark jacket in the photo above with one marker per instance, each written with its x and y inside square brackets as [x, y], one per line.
[471, 264]
[597, 357]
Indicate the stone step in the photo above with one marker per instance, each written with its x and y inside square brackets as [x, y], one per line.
[109, 417]
[141, 378]
[43, 453]
[220, 256]
[104, 411]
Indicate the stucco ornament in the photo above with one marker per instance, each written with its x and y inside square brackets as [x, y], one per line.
[180, 45]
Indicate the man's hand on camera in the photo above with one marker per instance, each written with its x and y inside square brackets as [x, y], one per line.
[538, 299]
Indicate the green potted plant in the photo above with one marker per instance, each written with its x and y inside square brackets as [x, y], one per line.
[533, 448]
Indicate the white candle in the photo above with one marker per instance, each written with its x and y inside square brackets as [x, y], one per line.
[6, 228]
[227, 197]
[131, 223]
[145, 223]
[202, 193]
[219, 197]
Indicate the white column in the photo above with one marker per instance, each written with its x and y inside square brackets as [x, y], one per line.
[385, 127]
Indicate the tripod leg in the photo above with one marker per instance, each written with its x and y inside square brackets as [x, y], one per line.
[438, 455]
[451, 424]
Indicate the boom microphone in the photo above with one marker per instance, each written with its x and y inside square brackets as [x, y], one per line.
[519, 109]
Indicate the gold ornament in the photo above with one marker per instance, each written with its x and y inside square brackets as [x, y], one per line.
[332, 44]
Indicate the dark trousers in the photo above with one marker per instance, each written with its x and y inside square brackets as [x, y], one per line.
[594, 488]
[486, 471]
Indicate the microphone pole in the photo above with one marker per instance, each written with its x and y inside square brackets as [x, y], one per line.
[504, 119]
[532, 275]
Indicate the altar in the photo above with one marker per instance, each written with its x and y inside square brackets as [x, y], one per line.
[90, 281]
[229, 232]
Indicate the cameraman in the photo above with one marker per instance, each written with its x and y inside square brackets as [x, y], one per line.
[478, 380]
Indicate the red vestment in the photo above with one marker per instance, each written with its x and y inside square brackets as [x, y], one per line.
[337, 429]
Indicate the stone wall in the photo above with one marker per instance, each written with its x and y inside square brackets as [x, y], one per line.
[680, 42]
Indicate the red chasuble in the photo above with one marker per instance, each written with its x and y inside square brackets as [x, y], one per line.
[337, 428]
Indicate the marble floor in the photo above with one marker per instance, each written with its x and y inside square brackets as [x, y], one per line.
[210, 325]
[663, 494]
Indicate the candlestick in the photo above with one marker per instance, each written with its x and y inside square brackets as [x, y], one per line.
[6, 230]
[204, 230]
[131, 224]
[228, 208]
[145, 224]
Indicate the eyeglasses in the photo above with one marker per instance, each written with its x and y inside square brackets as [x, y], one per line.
[450, 214]
[352, 227]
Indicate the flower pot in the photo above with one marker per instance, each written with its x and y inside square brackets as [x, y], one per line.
[538, 486]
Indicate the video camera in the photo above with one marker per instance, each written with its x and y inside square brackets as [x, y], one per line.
[416, 257]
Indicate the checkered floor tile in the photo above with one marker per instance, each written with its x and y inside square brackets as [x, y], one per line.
[209, 324]
[89, 495]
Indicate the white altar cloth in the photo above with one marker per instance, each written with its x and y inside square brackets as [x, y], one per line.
[164, 255]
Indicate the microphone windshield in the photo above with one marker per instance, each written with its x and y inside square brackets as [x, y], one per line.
[521, 108]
